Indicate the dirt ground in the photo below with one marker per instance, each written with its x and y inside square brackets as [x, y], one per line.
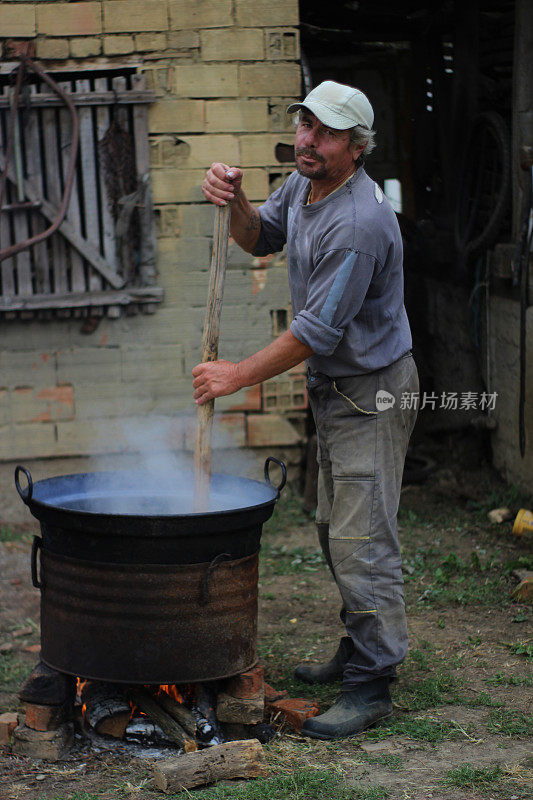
[462, 722]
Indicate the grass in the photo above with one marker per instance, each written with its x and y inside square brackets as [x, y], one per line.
[421, 729]
[468, 777]
[17, 534]
[13, 671]
[302, 784]
[285, 561]
[510, 680]
[393, 762]
[524, 648]
[510, 723]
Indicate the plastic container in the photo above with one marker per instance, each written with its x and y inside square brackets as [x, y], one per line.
[523, 524]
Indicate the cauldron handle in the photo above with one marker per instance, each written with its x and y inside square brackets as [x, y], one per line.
[26, 494]
[283, 473]
[36, 545]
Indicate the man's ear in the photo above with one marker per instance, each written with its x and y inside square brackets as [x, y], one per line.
[358, 151]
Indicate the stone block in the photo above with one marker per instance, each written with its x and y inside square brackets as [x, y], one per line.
[207, 80]
[247, 685]
[46, 745]
[5, 407]
[150, 42]
[47, 718]
[269, 12]
[266, 80]
[131, 16]
[52, 48]
[17, 19]
[203, 150]
[232, 44]
[118, 45]
[236, 115]
[258, 150]
[47, 404]
[88, 365]
[200, 14]
[278, 119]
[173, 116]
[197, 220]
[183, 40]
[271, 429]
[246, 400]
[177, 185]
[8, 723]
[146, 364]
[236, 710]
[103, 400]
[282, 45]
[91, 437]
[85, 47]
[294, 710]
[69, 19]
[27, 441]
[272, 694]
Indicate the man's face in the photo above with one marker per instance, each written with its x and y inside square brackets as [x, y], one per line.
[322, 153]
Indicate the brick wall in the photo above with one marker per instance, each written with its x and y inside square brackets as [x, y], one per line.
[223, 71]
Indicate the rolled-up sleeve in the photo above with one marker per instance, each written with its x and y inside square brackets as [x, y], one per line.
[335, 292]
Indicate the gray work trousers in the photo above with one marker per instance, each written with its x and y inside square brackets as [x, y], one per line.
[361, 454]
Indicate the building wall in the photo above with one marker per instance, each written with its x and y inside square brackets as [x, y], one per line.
[505, 366]
[223, 72]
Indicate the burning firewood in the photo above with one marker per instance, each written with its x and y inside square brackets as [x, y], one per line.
[224, 761]
[172, 729]
[106, 708]
[178, 711]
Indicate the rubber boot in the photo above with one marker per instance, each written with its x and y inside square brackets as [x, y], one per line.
[353, 711]
[332, 670]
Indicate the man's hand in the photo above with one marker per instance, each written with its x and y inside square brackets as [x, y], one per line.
[222, 183]
[215, 379]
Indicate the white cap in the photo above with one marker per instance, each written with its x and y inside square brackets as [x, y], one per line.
[337, 106]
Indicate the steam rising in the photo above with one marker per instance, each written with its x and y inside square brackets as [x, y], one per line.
[163, 481]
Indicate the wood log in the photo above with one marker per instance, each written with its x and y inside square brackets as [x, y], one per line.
[202, 454]
[107, 708]
[178, 712]
[236, 709]
[241, 759]
[169, 726]
[47, 686]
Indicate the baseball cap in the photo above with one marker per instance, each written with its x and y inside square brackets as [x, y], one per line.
[337, 106]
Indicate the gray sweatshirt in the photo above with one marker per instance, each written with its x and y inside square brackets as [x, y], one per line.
[344, 257]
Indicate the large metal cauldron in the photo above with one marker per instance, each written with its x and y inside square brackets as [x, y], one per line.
[137, 588]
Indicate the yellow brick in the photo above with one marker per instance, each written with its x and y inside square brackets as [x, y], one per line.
[232, 44]
[200, 14]
[206, 80]
[69, 19]
[185, 185]
[183, 40]
[150, 42]
[118, 45]
[17, 19]
[135, 15]
[267, 80]
[87, 46]
[173, 116]
[259, 150]
[268, 12]
[236, 115]
[203, 150]
[52, 48]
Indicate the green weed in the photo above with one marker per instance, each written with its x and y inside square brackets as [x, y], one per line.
[467, 776]
[389, 760]
[524, 648]
[13, 671]
[284, 560]
[510, 680]
[9, 534]
[437, 690]
[302, 784]
[422, 729]
[510, 723]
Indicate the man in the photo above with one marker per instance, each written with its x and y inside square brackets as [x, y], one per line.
[344, 254]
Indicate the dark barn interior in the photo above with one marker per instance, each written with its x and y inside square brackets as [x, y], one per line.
[445, 80]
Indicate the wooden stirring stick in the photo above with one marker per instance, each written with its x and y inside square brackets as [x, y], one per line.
[202, 454]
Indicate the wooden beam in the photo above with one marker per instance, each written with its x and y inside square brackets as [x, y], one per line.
[129, 97]
[145, 294]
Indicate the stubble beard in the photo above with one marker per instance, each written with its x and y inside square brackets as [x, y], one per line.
[314, 173]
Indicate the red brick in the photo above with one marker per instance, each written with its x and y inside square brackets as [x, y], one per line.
[252, 400]
[8, 723]
[247, 685]
[45, 718]
[294, 710]
[271, 694]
